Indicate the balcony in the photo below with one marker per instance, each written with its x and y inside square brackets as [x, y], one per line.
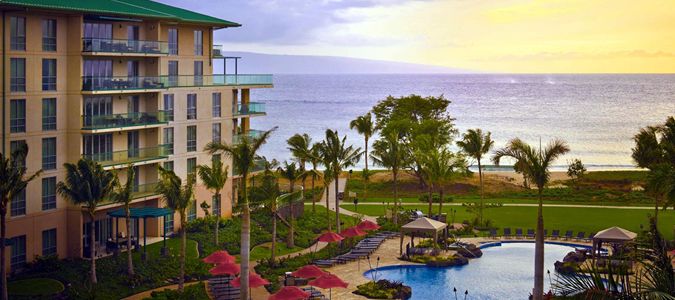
[95, 46]
[119, 121]
[250, 109]
[252, 133]
[258, 165]
[130, 156]
[113, 84]
[140, 191]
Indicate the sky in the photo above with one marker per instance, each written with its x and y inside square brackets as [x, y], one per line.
[515, 36]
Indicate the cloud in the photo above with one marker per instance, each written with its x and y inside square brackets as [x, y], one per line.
[639, 53]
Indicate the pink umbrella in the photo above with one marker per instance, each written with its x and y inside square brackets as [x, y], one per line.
[254, 281]
[225, 269]
[328, 281]
[367, 225]
[352, 232]
[309, 271]
[330, 237]
[289, 293]
[219, 257]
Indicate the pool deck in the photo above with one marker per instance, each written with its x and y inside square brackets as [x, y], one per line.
[352, 272]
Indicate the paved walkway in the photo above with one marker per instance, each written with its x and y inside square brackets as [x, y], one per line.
[331, 201]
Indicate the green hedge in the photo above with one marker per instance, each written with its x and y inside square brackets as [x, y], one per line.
[191, 292]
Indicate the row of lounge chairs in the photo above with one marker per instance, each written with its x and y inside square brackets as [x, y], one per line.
[362, 249]
[314, 294]
[555, 234]
[221, 289]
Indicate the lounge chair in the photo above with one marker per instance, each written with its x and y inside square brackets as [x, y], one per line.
[507, 232]
[545, 233]
[590, 237]
[530, 233]
[568, 234]
[555, 234]
[580, 236]
[519, 233]
[493, 233]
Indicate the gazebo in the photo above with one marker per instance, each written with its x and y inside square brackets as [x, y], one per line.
[615, 236]
[420, 226]
[138, 213]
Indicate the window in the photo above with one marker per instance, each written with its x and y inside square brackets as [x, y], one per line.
[49, 153]
[198, 73]
[192, 211]
[215, 205]
[168, 165]
[13, 146]
[49, 35]
[18, 256]
[17, 33]
[192, 138]
[49, 114]
[168, 139]
[97, 147]
[17, 76]
[18, 204]
[94, 108]
[48, 193]
[49, 74]
[215, 132]
[168, 106]
[215, 105]
[173, 41]
[191, 165]
[168, 224]
[198, 42]
[49, 242]
[17, 115]
[173, 73]
[191, 106]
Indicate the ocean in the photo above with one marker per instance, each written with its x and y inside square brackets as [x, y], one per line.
[596, 114]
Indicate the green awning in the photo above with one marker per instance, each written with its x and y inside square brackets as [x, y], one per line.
[141, 212]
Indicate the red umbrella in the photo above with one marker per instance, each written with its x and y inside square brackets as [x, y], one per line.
[219, 257]
[254, 281]
[225, 269]
[328, 281]
[352, 232]
[309, 271]
[289, 293]
[367, 225]
[330, 237]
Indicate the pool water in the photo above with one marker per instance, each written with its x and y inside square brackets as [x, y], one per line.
[504, 272]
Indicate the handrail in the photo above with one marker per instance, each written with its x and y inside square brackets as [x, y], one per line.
[129, 155]
[124, 120]
[106, 83]
[124, 46]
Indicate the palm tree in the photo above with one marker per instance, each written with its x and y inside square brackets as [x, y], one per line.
[327, 179]
[13, 180]
[292, 173]
[214, 178]
[476, 144]
[300, 146]
[364, 126]
[243, 156]
[339, 156]
[88, 184]
[536, 163]
[123, 195]
[387, 152]
[315, 159]
[439, 167]
[178, 198]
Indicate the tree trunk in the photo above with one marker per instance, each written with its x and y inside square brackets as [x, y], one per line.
[3, 262]
[290, 240]
[313, 194]
[395, 197]
[183, 245]
[431, 201]
[130, 261]
[245, 240]
[337, 203]
[538, 291]
[656, 209]
[366, 178]
[327, 188]
[480, 178]
[92, 250]
[274, 238]
[440, 203]
[215, 238]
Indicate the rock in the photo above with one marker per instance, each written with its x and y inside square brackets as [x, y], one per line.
[575, 256]
[470, 251]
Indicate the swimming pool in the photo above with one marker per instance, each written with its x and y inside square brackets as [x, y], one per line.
[505, 271]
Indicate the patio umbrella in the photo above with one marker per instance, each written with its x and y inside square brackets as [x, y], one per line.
[367, 225]
[289, 293]
[254, 281]
[328, 281]
[330, 237]
[225, 269]
[352, 232]
[219, 257]
[309, 271]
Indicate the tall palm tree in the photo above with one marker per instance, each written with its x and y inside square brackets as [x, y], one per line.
[292, 173]
[300, 146]
[339, 156]
[315, 160]
[476, 144]
[243, 156]
[387, 152]
[13, 180]
[364, 126]
[214, 178]
[88, 184]
[439, 167]
[123, 195]
[178, 198]
[536, 163]
[327, 179]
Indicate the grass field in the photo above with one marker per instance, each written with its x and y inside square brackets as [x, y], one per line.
[34, 288]
[514, 199]
[265, 250]
[563, 218]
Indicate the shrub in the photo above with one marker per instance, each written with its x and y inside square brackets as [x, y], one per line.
[384, 289]
[191, 292]
[435, 198]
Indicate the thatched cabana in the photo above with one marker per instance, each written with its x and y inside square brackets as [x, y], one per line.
[421, 226]
[615, 236]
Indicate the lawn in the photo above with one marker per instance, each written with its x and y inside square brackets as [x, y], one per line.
[563, 218]
[512, 198]
[265, 250]
[34, 288]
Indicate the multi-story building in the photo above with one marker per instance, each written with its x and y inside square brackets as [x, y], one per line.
[127, 83]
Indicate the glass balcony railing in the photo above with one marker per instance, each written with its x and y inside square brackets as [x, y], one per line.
[217, 51]
[252, 108]
[124, 46]
[252, 133]
[258, 165]
[122, 83]
[124, 120]
[140, 191]
[122, 157]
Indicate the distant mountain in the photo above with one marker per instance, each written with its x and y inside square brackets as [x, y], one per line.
[309, 64]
